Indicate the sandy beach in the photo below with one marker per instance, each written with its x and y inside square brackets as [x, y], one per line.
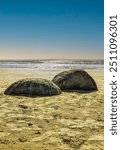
[70, 121]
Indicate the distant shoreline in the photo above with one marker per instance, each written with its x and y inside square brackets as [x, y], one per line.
[96, 61]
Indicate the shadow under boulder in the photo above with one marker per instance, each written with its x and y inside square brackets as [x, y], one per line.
[33, 87]
[75, 80]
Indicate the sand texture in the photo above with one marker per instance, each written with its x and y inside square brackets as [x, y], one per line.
[69, 121]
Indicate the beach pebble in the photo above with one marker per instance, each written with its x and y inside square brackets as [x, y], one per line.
[23, 106]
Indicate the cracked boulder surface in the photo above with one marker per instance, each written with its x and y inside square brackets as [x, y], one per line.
[33, 87]
[76, 79]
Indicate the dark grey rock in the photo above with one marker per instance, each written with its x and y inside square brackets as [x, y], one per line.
[76, 79]
[33, 87]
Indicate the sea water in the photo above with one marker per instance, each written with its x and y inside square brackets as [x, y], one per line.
[52, 64]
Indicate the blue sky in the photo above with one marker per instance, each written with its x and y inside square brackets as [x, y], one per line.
[51, 29]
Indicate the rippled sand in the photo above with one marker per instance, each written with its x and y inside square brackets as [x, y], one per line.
[70, 121]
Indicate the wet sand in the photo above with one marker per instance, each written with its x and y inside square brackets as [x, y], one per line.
[70, 121]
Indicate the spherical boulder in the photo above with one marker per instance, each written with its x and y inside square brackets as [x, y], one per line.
[76, 79]
[33, 87]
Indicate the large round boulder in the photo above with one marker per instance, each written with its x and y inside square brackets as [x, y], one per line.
[76, 79]
[33, 87]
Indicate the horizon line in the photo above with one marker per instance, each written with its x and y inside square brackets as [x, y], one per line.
[56, 59]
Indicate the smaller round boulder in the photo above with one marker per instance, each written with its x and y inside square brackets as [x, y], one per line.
[76, 79]
[33, 87]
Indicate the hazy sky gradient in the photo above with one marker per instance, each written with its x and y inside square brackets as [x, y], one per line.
[48, 29]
